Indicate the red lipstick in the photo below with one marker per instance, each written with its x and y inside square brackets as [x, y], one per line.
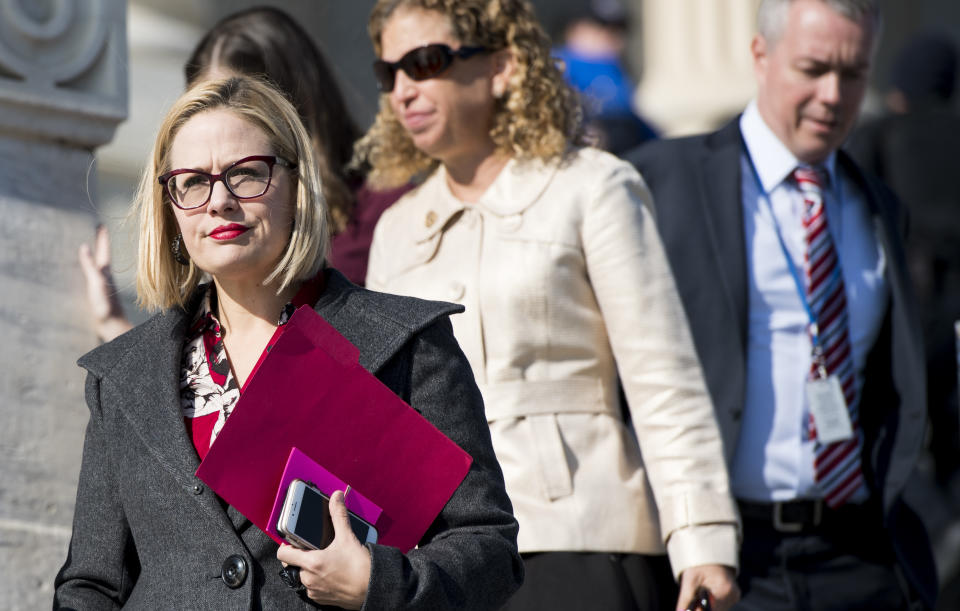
[228, 232]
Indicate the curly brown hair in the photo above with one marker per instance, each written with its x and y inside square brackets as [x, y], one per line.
[539, 117]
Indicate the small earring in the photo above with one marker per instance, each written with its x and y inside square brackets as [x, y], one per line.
[177, 253]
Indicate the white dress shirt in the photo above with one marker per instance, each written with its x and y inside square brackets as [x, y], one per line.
[774, 458]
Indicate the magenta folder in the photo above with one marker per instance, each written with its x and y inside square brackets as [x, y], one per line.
[301, 466]
[311, 393]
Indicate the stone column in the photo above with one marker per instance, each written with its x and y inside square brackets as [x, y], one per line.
[63, 90]
[697, 67]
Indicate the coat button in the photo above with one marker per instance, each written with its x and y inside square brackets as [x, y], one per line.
[234, 571]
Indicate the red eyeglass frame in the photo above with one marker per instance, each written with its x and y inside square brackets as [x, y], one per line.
[270, 160]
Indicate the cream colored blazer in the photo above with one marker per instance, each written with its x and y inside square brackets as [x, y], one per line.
[566, 284]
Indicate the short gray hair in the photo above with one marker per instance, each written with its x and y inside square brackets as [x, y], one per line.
[772, 14]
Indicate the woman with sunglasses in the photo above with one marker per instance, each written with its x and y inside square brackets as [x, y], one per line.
[552, 249]
[266, 41]
[233, 237]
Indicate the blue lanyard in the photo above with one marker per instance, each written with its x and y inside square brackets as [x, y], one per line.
[797, 278]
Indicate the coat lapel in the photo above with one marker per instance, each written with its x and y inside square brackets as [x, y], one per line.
[377, 330]
[153, 366]
[149, 374]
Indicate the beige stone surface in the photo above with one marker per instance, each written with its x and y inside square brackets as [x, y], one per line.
[697, 68]
[62, 92]
[44, 329]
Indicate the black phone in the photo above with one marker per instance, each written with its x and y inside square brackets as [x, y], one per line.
[305, 518]
[701, 600]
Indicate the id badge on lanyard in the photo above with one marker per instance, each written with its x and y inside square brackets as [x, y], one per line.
[827, 404]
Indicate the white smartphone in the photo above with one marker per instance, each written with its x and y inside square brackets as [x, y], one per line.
[305, 518]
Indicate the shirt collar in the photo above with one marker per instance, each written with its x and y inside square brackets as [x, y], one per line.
[434, 206]
[772, 159]
[204, 317]
[518, 185]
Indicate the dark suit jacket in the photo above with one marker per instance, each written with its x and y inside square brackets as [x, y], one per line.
[148, 534]
[697, 197]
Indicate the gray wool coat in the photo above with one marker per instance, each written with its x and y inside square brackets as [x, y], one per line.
[147, 534]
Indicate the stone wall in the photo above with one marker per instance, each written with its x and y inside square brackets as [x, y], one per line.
[62, 92]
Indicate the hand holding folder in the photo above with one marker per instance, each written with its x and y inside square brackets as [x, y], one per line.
[310, 392]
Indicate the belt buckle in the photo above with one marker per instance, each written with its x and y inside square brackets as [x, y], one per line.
[794, 527]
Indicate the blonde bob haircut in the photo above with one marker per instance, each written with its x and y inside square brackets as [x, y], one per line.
[538, 117]
[162, 282]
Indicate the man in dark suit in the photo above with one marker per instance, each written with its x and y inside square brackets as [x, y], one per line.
[790, 266]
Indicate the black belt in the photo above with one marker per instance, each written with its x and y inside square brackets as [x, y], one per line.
[805, 516]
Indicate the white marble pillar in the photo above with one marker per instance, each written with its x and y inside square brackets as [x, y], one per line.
[63, 90]
[697, 68]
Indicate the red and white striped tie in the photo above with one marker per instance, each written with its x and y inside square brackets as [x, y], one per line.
[836, 465]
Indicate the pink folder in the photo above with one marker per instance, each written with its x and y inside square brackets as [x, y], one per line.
[301, 466]
[310, 392]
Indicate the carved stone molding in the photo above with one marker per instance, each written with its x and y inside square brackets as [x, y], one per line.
[697, 66]
[63, 69]
[63, 90]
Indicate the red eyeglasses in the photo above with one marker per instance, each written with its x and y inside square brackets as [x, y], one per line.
[246, 178]
[420, 64]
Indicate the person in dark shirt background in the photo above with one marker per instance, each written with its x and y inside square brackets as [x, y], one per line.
[914, 148]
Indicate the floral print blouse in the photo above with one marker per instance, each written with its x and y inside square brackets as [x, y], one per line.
[208, 388]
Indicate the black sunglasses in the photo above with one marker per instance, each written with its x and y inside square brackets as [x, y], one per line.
[420, 64]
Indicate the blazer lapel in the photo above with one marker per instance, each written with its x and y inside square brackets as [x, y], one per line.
[906, 352]
[720, 194]
[886, 231]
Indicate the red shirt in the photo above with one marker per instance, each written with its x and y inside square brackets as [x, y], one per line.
[208, 389]
[350, 249]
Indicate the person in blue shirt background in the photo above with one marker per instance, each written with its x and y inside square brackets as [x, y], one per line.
[593, 41]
